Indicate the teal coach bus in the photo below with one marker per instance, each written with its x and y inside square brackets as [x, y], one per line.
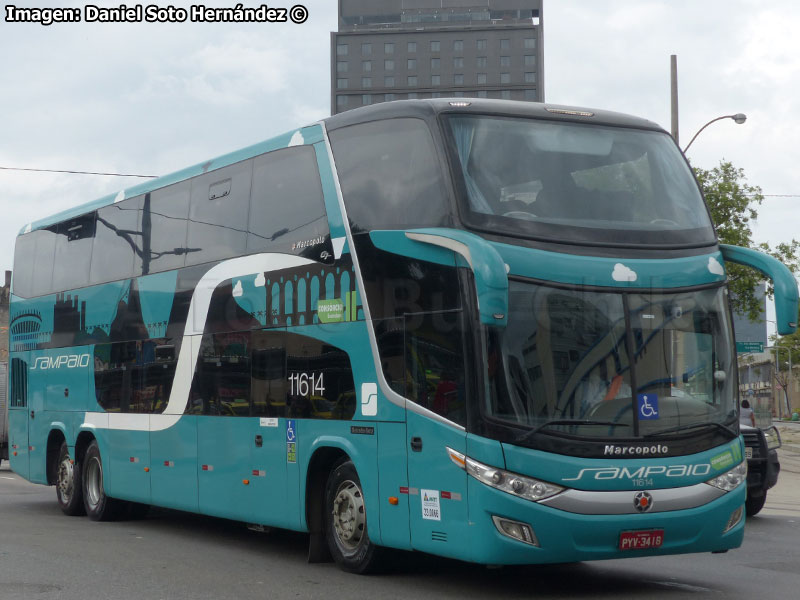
[493, 331]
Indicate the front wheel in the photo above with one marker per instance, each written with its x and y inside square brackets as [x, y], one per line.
[99, 507]
[754, 504]
[346, 521]
[69, 490]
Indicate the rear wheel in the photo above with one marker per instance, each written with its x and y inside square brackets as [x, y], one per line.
[754, 504]
[346, 522]
[99, 507]
[69, 490]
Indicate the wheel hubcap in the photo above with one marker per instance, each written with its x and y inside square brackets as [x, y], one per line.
[94, 482]
[349, 517]
[65, 479]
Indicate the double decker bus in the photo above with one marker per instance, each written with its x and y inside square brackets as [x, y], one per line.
[493, 331]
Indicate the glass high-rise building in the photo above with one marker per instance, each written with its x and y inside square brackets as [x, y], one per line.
[402, 49]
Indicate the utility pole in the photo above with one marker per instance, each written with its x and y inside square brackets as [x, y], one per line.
[673, 86]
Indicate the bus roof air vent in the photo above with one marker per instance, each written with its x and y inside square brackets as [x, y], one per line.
[573, 113]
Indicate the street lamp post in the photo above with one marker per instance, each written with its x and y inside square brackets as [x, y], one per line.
[738, 118]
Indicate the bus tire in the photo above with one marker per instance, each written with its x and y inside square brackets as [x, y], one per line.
[346, 522]
[754, 504]
[99, 507]
[69, 490]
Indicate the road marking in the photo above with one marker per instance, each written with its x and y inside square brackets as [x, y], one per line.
[11, 478]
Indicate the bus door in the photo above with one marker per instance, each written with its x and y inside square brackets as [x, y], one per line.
[435, 380]
[18, 417]
[38, 424]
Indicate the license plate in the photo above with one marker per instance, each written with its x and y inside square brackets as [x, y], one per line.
[641, 540]
[748, 452]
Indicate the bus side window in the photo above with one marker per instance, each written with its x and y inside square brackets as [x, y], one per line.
[286, 205]
[162, 223]
[116, 241]
[218, 214]
[390, 175]
[73, 253]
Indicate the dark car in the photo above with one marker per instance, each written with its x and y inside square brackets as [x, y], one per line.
[761, 449]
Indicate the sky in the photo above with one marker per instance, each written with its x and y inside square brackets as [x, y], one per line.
[152, 98]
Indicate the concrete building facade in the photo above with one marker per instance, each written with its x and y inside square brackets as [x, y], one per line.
[404, 49]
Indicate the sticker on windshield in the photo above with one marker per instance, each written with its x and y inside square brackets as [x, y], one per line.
[648, 406]
[430, 505]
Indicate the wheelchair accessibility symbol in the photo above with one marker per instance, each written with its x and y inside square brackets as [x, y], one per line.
[290, 430]
[648, 406]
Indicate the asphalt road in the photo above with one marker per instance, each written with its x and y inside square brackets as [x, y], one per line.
[175, 556]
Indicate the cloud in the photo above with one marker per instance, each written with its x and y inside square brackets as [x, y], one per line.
[260, 280]
[237, 289]
[623, 273]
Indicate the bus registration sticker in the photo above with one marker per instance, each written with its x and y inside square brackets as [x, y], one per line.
[430, 505]
[641, 540]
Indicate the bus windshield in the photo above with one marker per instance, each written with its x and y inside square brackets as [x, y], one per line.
[611, 365]
[576, 183]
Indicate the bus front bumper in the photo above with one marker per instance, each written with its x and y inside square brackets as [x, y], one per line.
[562, 536]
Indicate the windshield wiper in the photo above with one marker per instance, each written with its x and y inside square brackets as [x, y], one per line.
[528, 435]
[689, 426]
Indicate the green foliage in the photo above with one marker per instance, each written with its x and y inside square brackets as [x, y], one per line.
[733, 205]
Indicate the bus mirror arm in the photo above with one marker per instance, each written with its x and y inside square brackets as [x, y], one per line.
[783, 281]
[438, 244]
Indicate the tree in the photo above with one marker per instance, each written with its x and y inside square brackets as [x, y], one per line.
[733, 204]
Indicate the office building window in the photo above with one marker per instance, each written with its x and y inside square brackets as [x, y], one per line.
[458, 94]
[366, 82]
[366, 49]
[505, 44]
[436, 63]
[389, 97]
[412, 81]
[482, 94]
[530, 95]
[436, 80]
[388, 64]
[366, 99]
[458, 79]
[435, 46]
[412, 64]
[366, 66]
[341, 102]
[481, 45]
[505, 77]
[412, 46]
[436, 94]
[505, 94]
[341, 84]
[458, 46]
[388, 81]
[458, 62]
[530, 60]
[530, 43]
[341, 49]
[413, 95]
[388, 48]
[530, 77]
[341, 66]
[505, 61]
[482, 78]
[480, 62]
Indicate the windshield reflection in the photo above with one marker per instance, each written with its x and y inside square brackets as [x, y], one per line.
[611, 365]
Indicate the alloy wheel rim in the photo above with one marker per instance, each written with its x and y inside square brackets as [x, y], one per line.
[349, 516]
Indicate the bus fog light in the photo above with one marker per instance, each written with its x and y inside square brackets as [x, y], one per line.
[516, 530]
[736, 516]
[730, 480]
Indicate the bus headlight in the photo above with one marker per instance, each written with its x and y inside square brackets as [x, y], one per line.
[505, 481]
[732, 479]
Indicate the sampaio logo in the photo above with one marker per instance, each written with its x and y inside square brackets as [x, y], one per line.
[66, 361]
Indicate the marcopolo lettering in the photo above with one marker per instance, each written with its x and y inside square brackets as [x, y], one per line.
[608, 473]
[68, 361]
[612, 450]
